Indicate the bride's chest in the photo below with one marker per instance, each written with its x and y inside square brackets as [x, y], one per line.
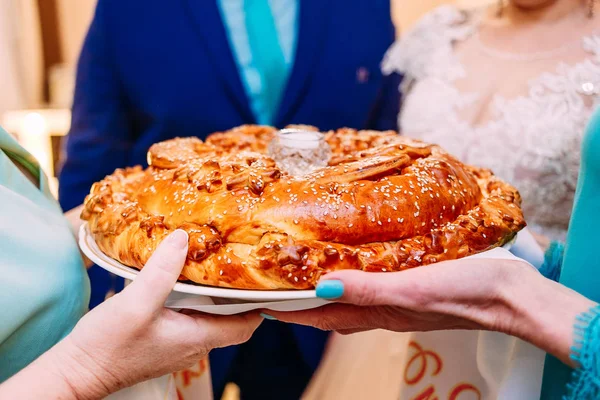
[537, 109]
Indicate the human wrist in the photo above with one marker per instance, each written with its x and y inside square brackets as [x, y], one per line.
[79, 370]
[544, 313]
[58, 374]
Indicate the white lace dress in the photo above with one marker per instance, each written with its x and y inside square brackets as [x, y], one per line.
[523, 116]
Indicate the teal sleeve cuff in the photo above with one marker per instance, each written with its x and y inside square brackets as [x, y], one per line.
[585, 382]
[553, 261]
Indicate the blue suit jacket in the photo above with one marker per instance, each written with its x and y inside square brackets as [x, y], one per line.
[153, 70]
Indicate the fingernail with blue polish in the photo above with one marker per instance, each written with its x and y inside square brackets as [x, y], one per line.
[267, 316]
[330, 290]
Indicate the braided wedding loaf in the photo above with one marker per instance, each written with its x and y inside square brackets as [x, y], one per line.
[384, 203]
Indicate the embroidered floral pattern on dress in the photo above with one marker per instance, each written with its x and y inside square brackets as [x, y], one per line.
[531, 139]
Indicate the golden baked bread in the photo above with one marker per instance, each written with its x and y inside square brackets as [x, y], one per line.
[384, 203]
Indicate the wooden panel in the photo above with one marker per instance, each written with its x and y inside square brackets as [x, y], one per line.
[51, 46]
[75, 17]
[406, 12]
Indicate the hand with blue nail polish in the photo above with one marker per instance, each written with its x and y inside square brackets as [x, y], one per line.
[501, 295]
[439, 296]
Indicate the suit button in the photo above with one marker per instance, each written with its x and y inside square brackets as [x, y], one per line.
[362, 75]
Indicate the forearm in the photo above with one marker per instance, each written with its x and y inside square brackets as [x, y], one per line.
[544, 313]
[57, 374]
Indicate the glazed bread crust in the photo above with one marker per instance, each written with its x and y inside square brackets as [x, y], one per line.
[384, 203]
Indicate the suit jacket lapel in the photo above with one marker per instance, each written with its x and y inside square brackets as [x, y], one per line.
[313, 17]
[207, 20]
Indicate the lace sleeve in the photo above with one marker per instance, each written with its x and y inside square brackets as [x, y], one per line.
[425, 48]
[585, 384]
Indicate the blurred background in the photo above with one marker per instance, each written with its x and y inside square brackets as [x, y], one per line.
[39, 45]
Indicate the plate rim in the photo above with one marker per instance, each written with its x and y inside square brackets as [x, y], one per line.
[88, 246]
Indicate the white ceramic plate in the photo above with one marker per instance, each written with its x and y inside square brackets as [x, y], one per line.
[91, 250]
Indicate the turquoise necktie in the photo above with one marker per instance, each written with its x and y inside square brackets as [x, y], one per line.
[267, 57]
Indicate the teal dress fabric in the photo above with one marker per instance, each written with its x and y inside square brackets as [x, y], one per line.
[44, 289]
[262, 34]
[581, 271]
